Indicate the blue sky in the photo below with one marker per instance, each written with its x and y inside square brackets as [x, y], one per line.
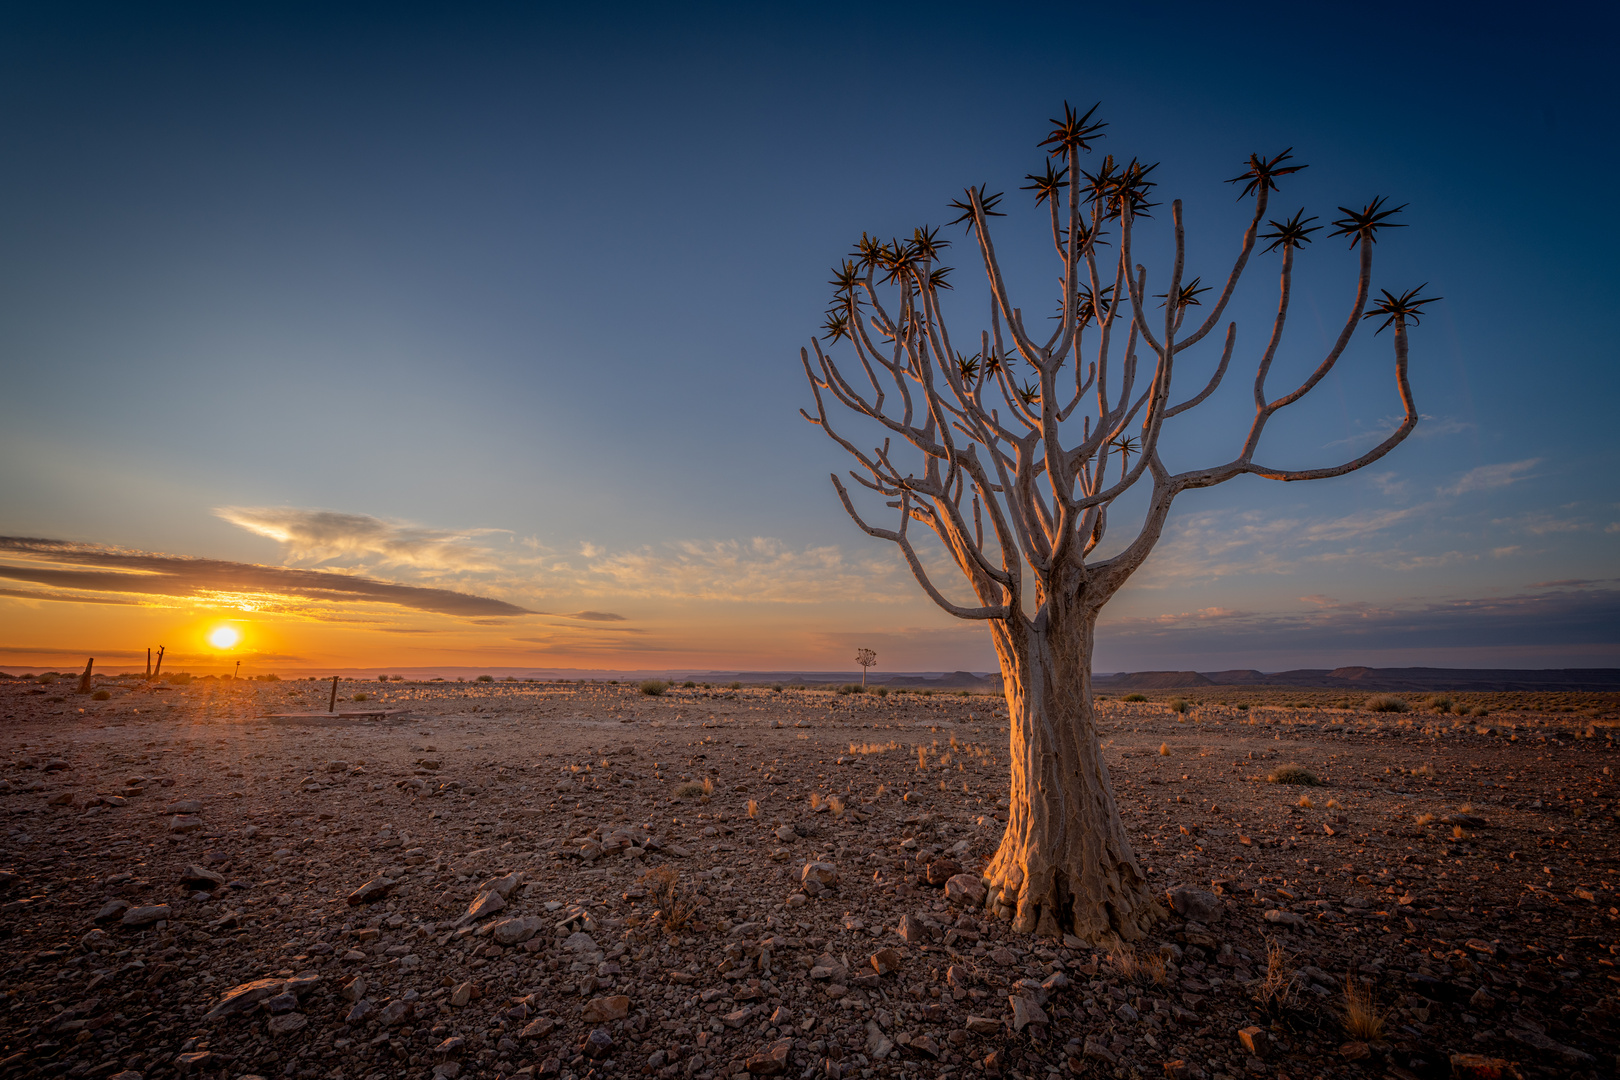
[508, 302]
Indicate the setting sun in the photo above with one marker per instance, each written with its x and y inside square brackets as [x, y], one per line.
[224, 637]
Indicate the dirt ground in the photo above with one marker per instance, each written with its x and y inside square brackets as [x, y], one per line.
[168, 845]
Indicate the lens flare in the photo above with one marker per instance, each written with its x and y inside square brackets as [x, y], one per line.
[224, 637]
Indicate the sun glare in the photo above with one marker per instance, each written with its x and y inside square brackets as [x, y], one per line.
[224, 637]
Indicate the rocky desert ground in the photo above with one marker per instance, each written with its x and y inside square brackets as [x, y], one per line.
[559, 879]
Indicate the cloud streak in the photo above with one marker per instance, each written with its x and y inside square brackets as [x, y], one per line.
[310, 535]
[96, 569]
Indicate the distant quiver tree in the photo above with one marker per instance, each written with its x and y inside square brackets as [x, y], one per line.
[1015, 476]
[866, 658]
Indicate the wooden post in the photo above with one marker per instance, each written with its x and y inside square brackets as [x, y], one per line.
[84, 680]
[237, 674]
[332, 705]
[156, 670]
[148, 663]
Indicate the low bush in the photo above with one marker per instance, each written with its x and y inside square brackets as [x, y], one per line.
[1293, 774]
[101, 695]
[694, 788]
[881, 691]
[852, 688]
[733, 686]
[361, 697]
[688, 685]
[1438, 702]
[1386, 703]
[1179, 705]
[1134, 697]
[654, 687]
[486, 678]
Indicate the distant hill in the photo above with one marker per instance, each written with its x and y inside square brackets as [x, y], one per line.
[1368, 678]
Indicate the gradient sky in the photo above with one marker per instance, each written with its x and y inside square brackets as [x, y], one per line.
[489, 309]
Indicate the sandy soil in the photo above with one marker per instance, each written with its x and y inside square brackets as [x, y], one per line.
[1491, 934]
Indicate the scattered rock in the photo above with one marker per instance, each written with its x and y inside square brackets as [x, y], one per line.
[598, 1044]
[287, 1023]
[1284, 918]
[885, 961]
[603, 1009]
[1026, 1012]
[372, 891]
[1196, 904]
[983, 1025]
[1255, 1041]
[965, 889]
[241, 998]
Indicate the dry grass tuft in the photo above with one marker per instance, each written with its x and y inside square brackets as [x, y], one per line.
[1424, 819]
[815, 801]
[672, 910]
[836, 805]
[1277, 988]
[694, 788]
[1363, 1019]
[922, 757]
[753, 808]
[1305, 802]
[1386, 703]
[654, 687]
[1164, 749]
[873, 748]
[1294, 774]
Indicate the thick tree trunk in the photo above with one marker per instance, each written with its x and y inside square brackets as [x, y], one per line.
[1065, 864]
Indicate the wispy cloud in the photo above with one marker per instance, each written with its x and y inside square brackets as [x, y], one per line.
[1488, 477]
[318, 536]
[760, 569]
[1429, 427]
[92, 573]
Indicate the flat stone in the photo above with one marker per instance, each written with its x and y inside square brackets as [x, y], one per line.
[242, 997]
[1026, 1012]
[485, 903]
[601, 1010]
[112, 909]
[940, 872]
[286, 1023]
[186, 823]
[885, 961]
[922, 1044]
[771, 1062]
[502, 886]
[538, 1028]
[1285, 918]
[1478, 1067]
[738, 1018]
[580, 941]
[197, 877]
[145, 916]
[371, 891]
[983, 1025]
[1256, 1041]
[396, 1012]
[878, 1045]
[281, 1003]
[517, 931]
[361, 1012]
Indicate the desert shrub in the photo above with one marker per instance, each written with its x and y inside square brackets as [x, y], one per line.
[384, 678]
[486, 678]
[46, 679]
[1134, 697]
[1438, 702]
[733, 685]
[179, 678]
[1293, 774]
[852, 688]
[881, 691]
[272, 677]
[926, 693]
[1479, 710]
[1179, 705]
[654, 687]
[361, 696]
[777, 687]
[1243, 706]
[688, 685]
[101, 695]
[694, 788]
[1386, 703]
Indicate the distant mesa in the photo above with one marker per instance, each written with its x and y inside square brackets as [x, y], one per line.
[1369, 678]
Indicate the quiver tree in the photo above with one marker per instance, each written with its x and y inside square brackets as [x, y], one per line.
[866, 658]
[1015, 474]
